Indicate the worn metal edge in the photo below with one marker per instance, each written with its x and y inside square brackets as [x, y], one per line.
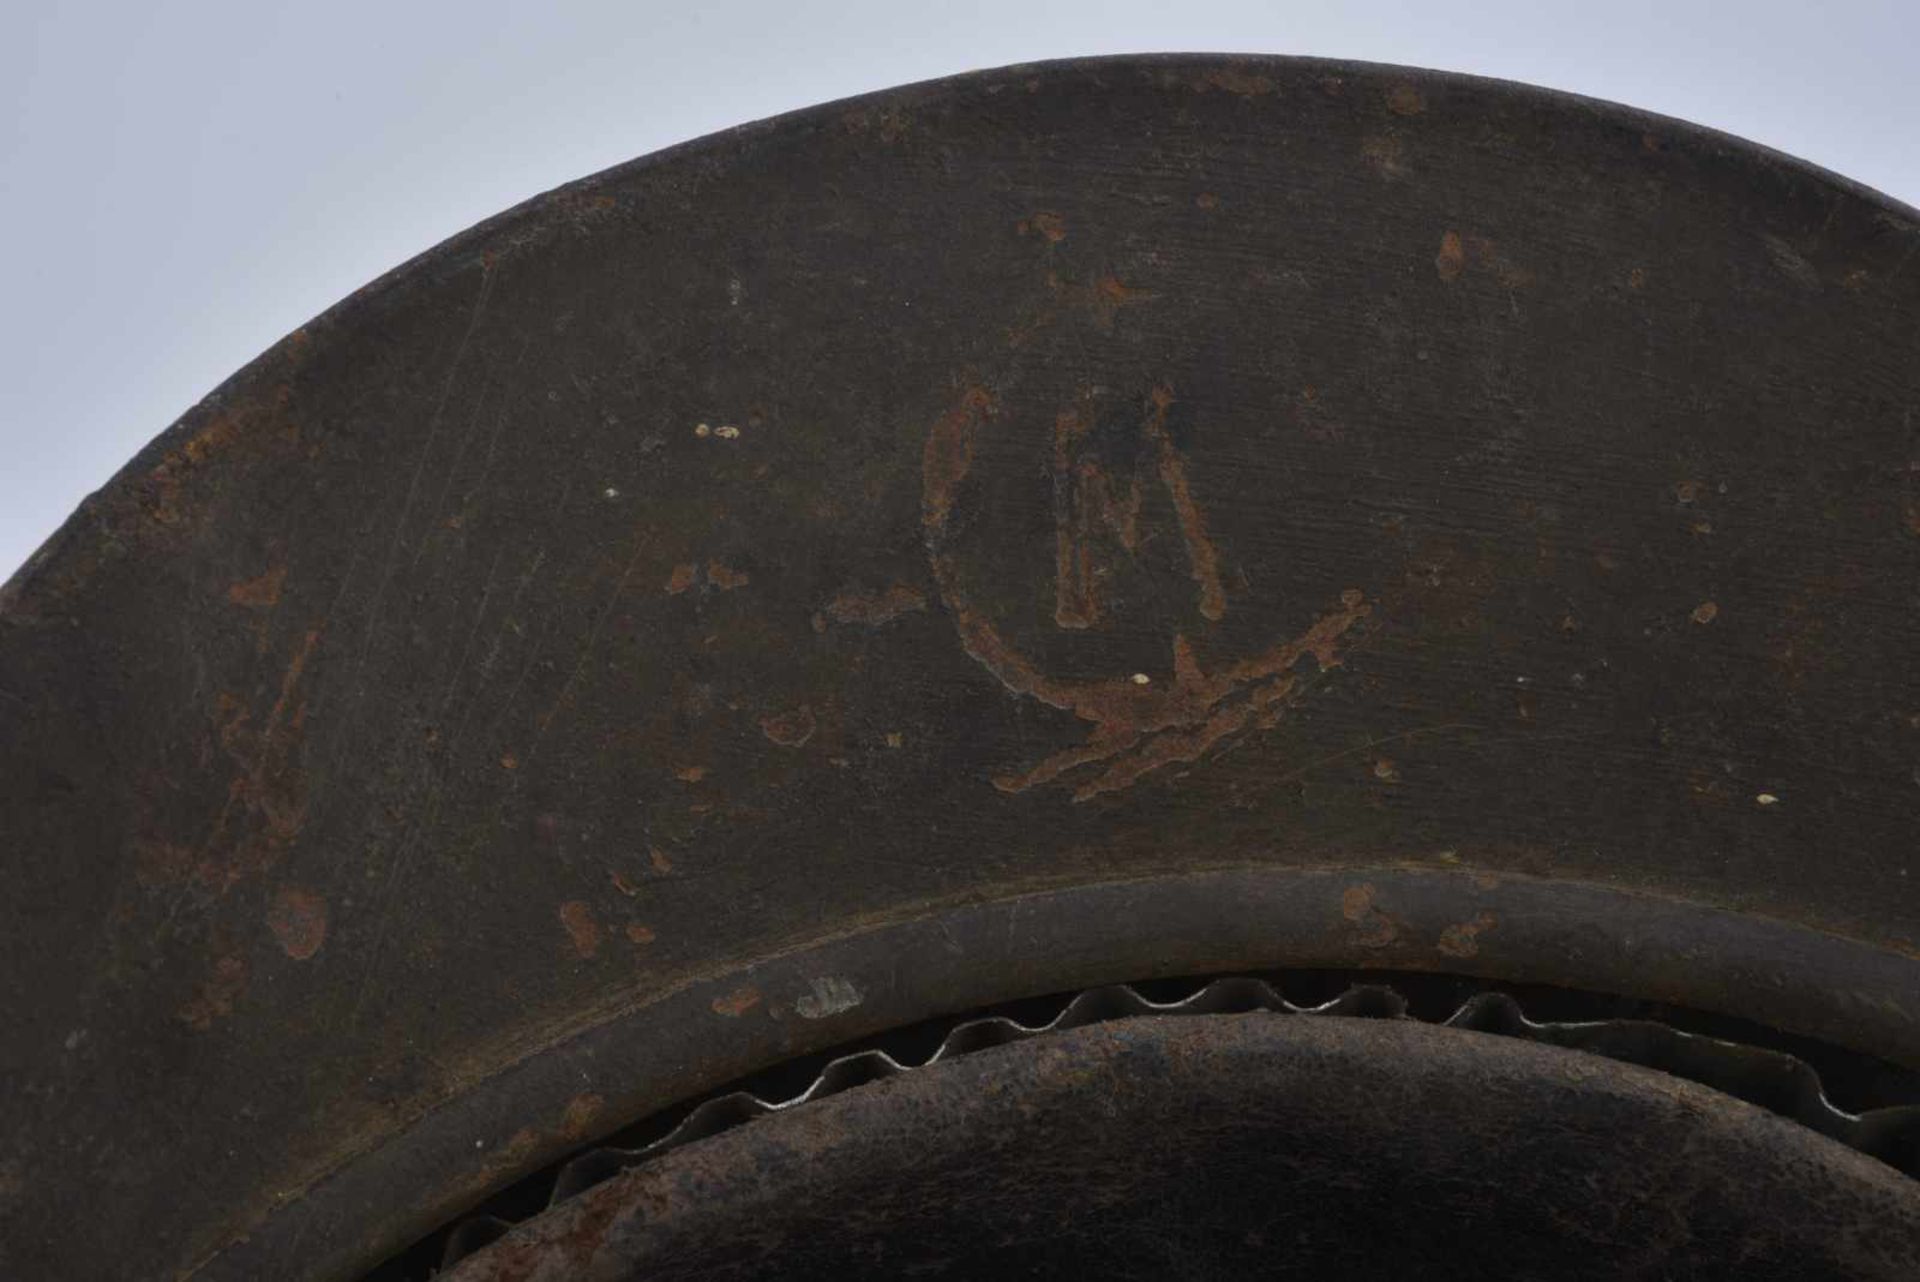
[751, 1014]
[530, 222]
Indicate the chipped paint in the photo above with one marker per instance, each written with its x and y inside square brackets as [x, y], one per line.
[829, 995]
[738, 1002]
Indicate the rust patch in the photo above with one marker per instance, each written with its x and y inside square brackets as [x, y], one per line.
[1458, 252]
[725, 577]
[658, 858]
[1045, 223]
[872, 609]
[738, 1002]
[1377, 929]
[1101, 300]
[1705, 612]
[217, 994]
[682, 578]
[261, 591]
[690, 774]
[583, 932]
[1385, 771]
[1463, 939]
[298, 919]
[789, 729]
[638, 934]
[1405, 100]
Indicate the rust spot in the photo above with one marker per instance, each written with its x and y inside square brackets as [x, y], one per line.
[621, 884]
[1235, 80]
[298, 919]
[1045, 223]
[1458, 252]
[872, 609]
[261, 591]
[724, 577]
[789, 729]
[1637, 278]
[1101, 300]
[218, 992]
[738, 1002]
[576, 1123]
[641, 935]
[1705, 612]
[1463, 939]
[582, 930]
[1385, 771]
[1405, 100]
[658, 858]
[682, 578]
[509, 762]
[1377, 928]
[690, 774]
[1206, 200]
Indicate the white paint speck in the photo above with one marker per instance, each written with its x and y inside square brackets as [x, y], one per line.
[1142, 679]
[702, 430]
[735, 290]
[727, 432]
[1767, 799]
[612, 493]
[831, 994]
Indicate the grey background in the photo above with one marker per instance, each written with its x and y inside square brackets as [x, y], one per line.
[185, 183]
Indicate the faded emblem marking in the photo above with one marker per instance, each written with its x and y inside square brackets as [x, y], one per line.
[1137, 726]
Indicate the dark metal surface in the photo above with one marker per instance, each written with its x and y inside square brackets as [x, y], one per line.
[1227, 1146]
[1046, 528]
